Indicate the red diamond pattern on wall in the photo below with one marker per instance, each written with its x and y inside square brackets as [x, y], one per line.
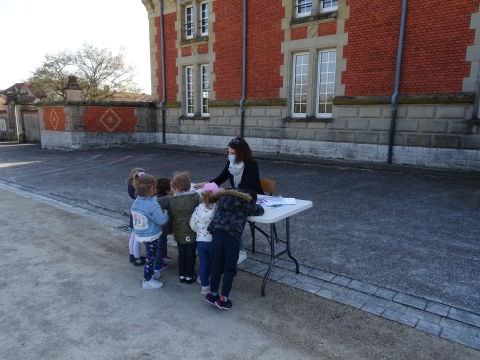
[110, 120]
[53, 119]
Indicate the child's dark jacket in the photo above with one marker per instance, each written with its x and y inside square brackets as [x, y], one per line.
[233, 208]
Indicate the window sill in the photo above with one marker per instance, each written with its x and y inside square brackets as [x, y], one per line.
[312, 18]
[195, 117]
[309, 119]
[194, 40]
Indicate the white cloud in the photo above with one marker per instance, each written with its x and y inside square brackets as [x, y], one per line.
[33, 28]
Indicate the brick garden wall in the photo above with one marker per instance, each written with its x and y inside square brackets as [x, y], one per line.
[54, 118]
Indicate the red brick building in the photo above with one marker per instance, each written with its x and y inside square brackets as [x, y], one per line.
[311, 77]
[320, 75]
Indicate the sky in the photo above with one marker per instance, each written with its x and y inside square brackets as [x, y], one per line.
[33, 28]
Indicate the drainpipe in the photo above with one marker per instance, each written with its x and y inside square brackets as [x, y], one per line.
[164, 82]
[244, 70]
[398, 69]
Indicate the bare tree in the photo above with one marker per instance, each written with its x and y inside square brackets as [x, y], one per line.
[100, 72]
[52, 76]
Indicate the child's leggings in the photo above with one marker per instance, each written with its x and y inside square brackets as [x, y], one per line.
[151, 249]
[134, 246]
[224, 260]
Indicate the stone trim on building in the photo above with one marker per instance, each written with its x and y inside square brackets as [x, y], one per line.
[312, 44]
[470, 84]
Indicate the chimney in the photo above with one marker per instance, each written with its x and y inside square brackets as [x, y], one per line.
[73, 90]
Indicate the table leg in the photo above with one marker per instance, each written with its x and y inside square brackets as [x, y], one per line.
[272, 258]
[287, 225]
[252, 230]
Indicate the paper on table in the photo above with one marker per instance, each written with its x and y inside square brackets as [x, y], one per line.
[272, 201]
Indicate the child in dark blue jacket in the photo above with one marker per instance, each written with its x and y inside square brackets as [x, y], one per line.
[233, 209]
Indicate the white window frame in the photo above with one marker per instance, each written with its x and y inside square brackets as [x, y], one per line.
[189, 91]
[189, 31]
[3, 124]
[329, 8]
[204, 18]
[320, 77]
[305, 13]
[304, 86]
[205, 89]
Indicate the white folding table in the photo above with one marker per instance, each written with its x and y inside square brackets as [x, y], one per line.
[272, 216]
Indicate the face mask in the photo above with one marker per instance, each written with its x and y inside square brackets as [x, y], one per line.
[231, 158]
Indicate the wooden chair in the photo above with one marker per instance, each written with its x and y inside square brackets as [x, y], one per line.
[268, 186]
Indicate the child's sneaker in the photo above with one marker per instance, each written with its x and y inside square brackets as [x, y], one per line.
[139, 262]
[223, 304]
[210, 298]
[181, 279]
[131, 258]
[157, 275]
[190, 280]
[242, 256]
[205, 290]
[152, 284]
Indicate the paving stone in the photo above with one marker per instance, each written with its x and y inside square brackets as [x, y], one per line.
[410, 300]
[460, 332]
[429, 327]
[373, 308]
[352, 298]
[326, 293]
[363, 287]
[310, 285]
[464, 316]
[385, 293]
[424, 315]
[320, 274]
[400, 313]
[341, 280]
[437, 308]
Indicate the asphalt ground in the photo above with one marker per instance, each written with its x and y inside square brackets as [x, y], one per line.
[67, 291]
[410, 232]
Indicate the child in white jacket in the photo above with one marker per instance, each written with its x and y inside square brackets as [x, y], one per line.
[201, 218]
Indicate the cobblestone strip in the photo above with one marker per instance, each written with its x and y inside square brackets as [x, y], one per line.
[426, 315]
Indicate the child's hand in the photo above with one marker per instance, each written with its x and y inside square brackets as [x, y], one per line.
[199, 185]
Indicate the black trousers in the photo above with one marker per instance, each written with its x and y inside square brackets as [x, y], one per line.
[186, 259]
[224, 260]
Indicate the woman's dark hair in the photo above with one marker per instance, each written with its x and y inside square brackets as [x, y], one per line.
[242, 149]
[163, 186]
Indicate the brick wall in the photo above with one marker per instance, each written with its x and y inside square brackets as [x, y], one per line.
[437, 36]
[328, 28]
[265, 36]
[228, 49]
[436, 43]
[109, 119]
[54, 118]
[170, 56]
[299, 32]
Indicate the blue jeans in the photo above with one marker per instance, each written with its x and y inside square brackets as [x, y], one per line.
[161, 251]
[204, 250]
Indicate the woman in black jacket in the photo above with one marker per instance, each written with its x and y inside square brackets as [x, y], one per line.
[241, 169]
[242, 172]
